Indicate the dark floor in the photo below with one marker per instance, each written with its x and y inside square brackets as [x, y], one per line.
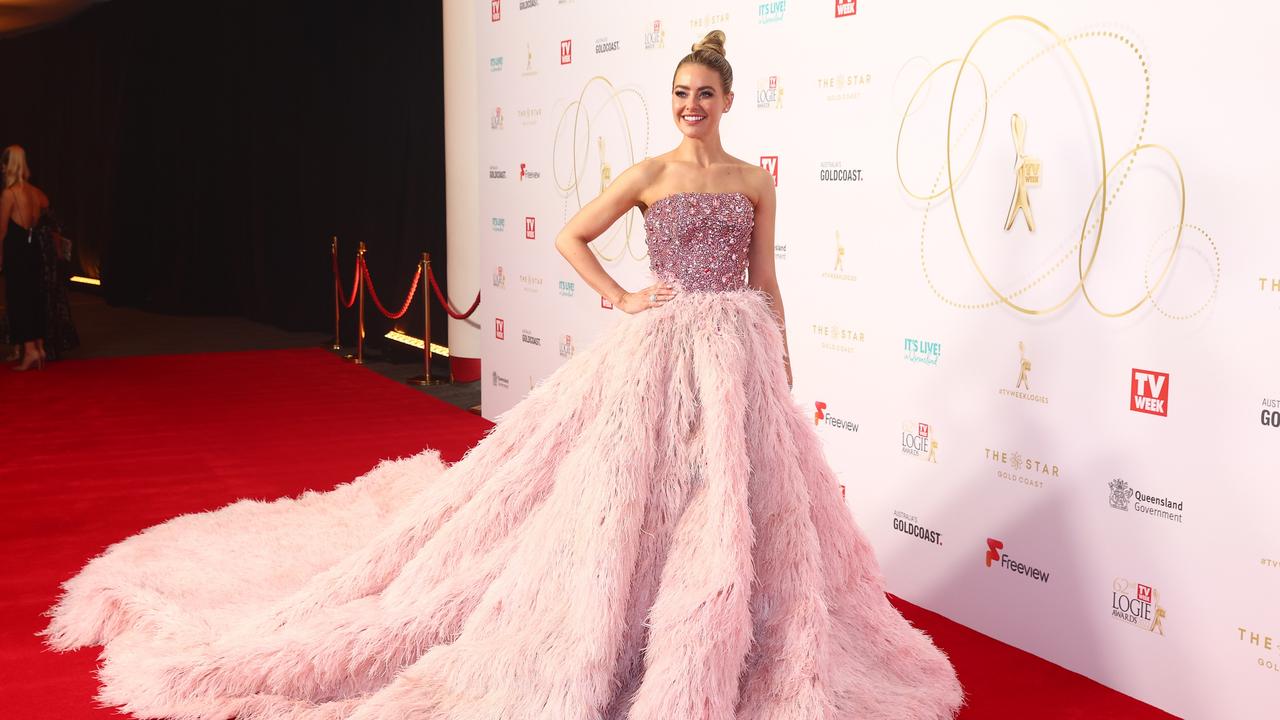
[107, 331]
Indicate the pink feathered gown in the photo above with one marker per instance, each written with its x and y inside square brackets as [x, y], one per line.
[652, 534]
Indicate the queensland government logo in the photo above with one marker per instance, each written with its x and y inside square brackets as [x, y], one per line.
[1137, 605]
[769, 93]
[771, 12]
[921, 352]
[1271, 412]
[1151, 505]
[837, 338]
[920, 441]
[566, 288]
[499, 381]
[837, 271]
[843, 87]
[499, 277]
[1022, 387]
[566, 347]
[846, 8]
[1266, 647]
[910, 524]
[834, 171]
[1150, 392]
[994, 557]
[529, 338]
[1022, 469]
[655, 38]
[822, 416]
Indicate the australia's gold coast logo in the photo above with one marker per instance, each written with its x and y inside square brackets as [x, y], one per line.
[1120, 217]
[604, 128]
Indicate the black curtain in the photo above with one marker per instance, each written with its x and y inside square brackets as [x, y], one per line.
[202, 155]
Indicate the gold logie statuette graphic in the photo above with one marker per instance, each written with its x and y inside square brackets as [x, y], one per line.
[1026, 173]
[606, 172]
[1024, 366]
[839, 254]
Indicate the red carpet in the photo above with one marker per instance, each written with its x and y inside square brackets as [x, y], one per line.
[95, 450]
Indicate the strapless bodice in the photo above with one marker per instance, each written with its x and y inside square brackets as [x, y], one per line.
[700, 240]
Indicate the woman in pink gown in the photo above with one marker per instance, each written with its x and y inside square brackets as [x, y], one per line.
[652, 534]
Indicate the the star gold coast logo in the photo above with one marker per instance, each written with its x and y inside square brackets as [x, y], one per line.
[1264, 646]
[1060, 256]
[709, 20]
[837, 338]
[920, 441]
[583, 161]
[843, 87]
[838, 270]
[1016, 467]
[1022, 387]
[1138, 605]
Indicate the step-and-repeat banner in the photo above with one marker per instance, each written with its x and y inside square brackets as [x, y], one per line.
[1032, 285]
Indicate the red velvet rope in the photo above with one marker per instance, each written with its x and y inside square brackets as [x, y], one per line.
[448, 306]
[413, 289]
[337, 284]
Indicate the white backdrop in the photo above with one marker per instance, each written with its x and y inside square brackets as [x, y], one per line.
[978, 405]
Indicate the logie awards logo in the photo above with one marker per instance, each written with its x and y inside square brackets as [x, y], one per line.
[1057, 251]
[1137, 605]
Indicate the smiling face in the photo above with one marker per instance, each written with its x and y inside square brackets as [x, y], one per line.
[698, 100]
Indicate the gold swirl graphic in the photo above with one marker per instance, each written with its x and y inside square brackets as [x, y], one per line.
[573, 184]
[1091, 225]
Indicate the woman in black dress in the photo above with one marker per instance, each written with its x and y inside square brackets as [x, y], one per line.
[21, 206]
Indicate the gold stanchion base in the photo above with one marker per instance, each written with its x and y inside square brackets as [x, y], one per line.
[424, 380]
[335, 346]
[357, 361]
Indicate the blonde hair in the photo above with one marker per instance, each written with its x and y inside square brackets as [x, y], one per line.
[709, 52]
[14, 163]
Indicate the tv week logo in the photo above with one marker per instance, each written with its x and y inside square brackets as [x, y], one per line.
[530, 228]
[495, 10]
[844, 8]
[1150, 392]
[499, 328]
[566, 52]
[770, 164]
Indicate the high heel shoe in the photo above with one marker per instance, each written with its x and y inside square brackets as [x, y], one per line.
[35, 361]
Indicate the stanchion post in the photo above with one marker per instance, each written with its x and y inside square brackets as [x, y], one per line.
[337, 302]
[425, 378]
[360, 322]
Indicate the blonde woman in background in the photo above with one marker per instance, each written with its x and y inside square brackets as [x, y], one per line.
[21, 206]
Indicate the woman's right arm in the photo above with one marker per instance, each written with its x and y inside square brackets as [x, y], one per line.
[593, 220]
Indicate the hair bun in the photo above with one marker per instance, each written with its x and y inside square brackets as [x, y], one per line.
[712, 42]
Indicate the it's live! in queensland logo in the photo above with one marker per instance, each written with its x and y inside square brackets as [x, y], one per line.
[1149, 392]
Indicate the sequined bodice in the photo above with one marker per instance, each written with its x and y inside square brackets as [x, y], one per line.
[700, 240]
